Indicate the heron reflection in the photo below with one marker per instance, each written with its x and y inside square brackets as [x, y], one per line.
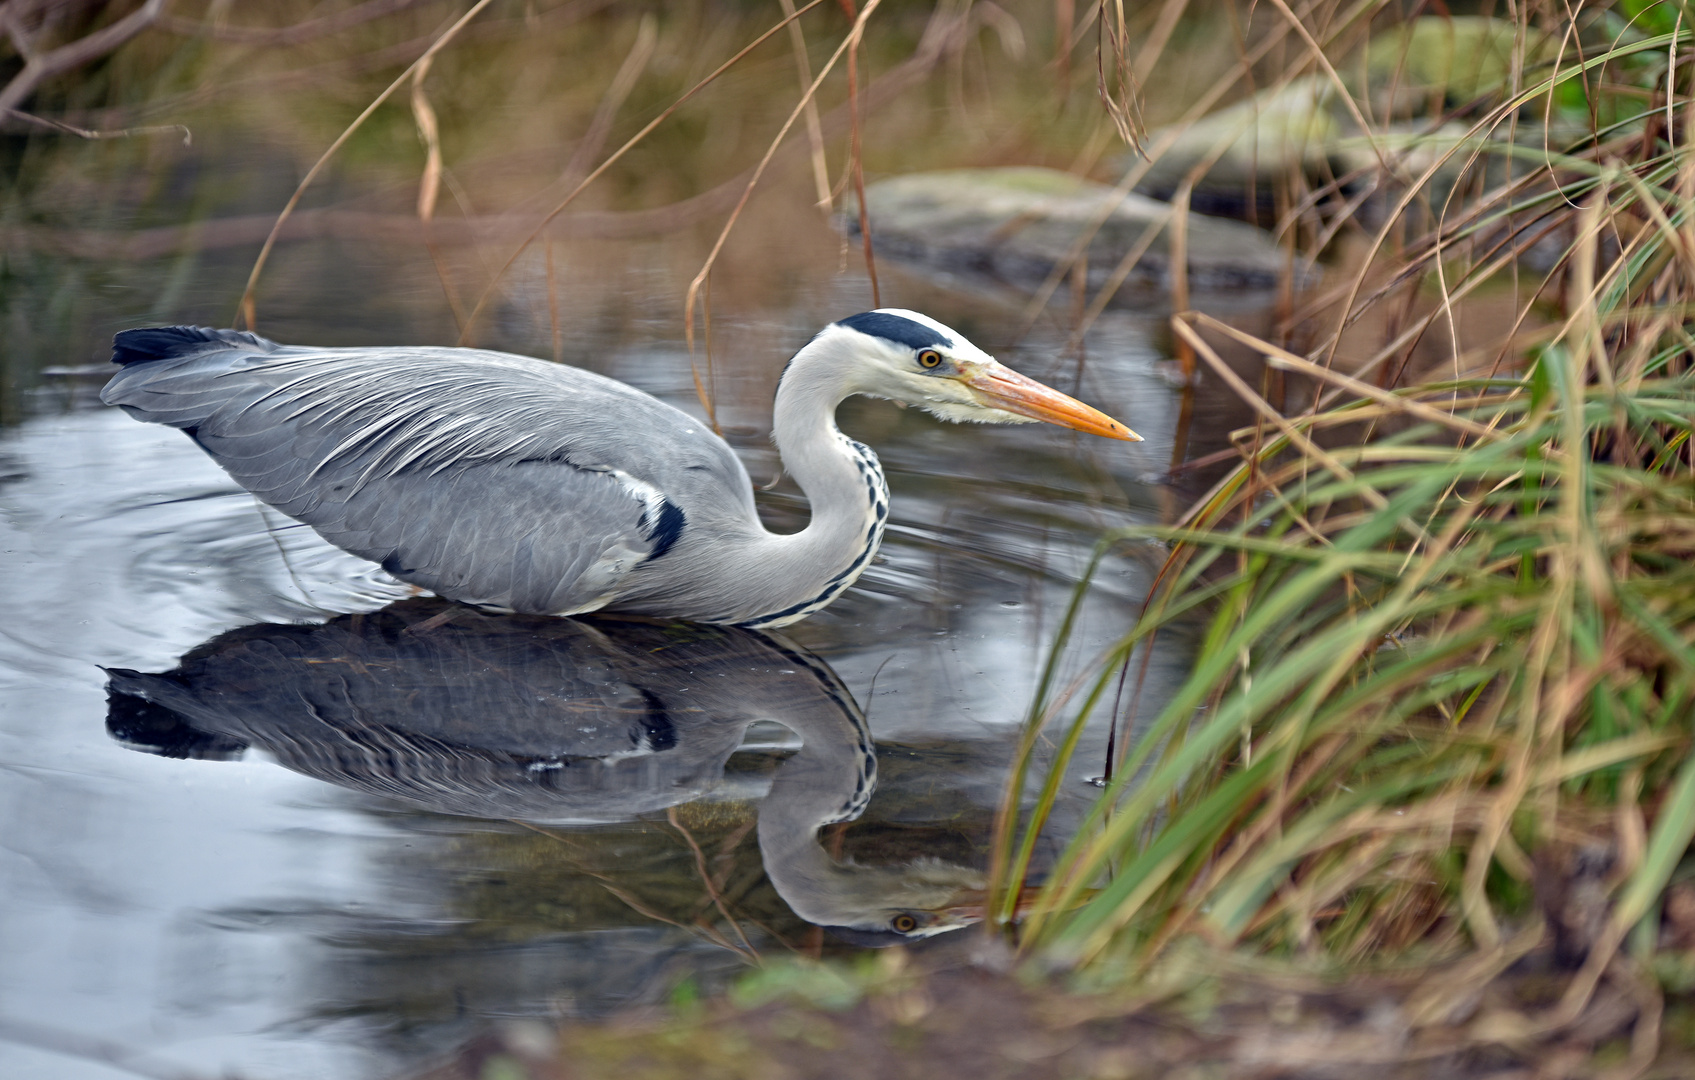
[553, 720]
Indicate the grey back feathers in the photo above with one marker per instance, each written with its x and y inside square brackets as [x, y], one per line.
[498, 480]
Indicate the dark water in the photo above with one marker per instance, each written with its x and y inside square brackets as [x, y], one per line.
[258, 866]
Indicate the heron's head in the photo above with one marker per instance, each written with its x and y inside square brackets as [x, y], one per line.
[875, 906]
[912, 358]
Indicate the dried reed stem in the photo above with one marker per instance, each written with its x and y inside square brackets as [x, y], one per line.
[245, 308]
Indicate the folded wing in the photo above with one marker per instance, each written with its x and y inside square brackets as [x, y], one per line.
[488, 478]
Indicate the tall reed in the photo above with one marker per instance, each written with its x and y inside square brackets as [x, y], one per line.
[1445, 632]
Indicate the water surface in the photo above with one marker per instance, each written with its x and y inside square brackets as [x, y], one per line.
[222, 911]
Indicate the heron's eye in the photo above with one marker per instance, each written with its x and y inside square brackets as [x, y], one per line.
[904, 923]
[929, 358]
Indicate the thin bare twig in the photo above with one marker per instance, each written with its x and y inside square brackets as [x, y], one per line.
[429, 185]
[1247, 394]
[635, 905]
[488, 292]
[711, 887]
[857, 151]
[284, 36]
[1283, 358]
[629, 72]
[759, 170]
[814, 133]
[1121, 103]
[90, 133]
[245, 309]
[38, 67]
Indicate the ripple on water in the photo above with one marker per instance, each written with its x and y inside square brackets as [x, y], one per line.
[233, 915]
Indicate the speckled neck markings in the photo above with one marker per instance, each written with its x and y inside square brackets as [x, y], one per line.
[876, 518]
[865, 750]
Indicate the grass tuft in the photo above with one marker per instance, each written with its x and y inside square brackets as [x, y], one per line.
[1442, 704]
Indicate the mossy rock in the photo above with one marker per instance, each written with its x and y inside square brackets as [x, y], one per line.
[1017, 224]
[1291, 127]
[1445, 62]
[1402, 78]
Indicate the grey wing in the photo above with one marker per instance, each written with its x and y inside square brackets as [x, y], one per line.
[530, 536]
[484, 477]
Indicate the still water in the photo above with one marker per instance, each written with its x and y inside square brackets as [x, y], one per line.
[260, 820]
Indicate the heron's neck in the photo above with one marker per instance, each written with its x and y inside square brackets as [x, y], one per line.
[841, 478]
[829, 779]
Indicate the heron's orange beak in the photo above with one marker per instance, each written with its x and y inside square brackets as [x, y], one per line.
[1002, 388]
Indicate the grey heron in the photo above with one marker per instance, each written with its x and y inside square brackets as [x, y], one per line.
[553, 720]
[514, 484]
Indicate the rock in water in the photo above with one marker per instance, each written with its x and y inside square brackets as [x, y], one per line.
[1407, 78]
[1291, 128]
[1017, 224]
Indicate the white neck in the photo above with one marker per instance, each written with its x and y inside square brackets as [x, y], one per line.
[829, 779]
[841, 478]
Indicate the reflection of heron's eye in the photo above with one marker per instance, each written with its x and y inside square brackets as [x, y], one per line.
[904, 923]
[929, 358]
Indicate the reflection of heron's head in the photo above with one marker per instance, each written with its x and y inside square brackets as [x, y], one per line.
[884, 905]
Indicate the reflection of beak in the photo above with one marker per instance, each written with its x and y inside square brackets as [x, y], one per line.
[972, 905]
[1000, 387]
